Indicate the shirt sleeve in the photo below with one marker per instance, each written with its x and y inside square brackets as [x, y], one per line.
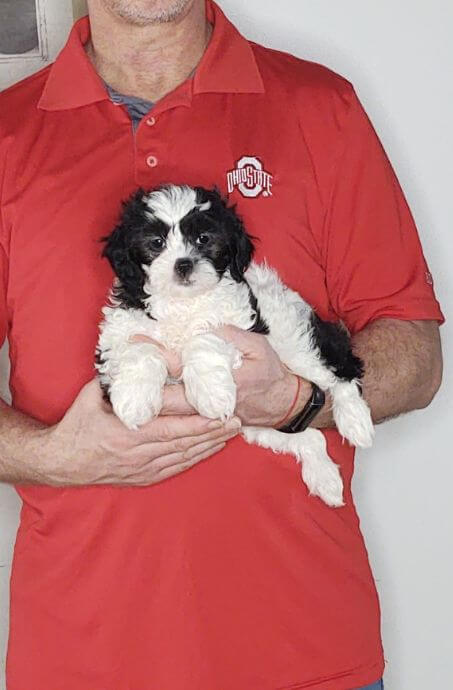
[4, 263]
[375, 267]
[3, 282]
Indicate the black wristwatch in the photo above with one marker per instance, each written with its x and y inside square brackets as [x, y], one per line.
[301, 421]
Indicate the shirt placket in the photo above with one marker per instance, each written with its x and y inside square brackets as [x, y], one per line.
[150, 150]
[152, 137]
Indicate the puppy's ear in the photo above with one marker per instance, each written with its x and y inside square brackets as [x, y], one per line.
[123, 256]
[240, 244]
[122, 260]
[241, 248]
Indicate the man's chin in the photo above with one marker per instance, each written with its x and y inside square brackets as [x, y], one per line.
[141, 13]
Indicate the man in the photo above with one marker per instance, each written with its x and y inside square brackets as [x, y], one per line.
[228, 576]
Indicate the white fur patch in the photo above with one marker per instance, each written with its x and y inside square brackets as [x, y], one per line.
[171, 204]
[351, 414]
[319, 473]
[208, 363]
[134, 372]
[162, 279]
[184, 313]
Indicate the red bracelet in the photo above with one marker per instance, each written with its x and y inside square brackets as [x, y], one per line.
[288, 414]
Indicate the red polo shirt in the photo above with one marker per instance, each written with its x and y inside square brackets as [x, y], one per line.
[228, 576]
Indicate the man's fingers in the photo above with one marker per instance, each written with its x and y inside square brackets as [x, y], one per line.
[175, 402]
[173, 469]
[172, 428]
[173, 459]
[92, 392]
[185, 445]
[172, 358]
[141, 338]
[244, 340]
[173, 463]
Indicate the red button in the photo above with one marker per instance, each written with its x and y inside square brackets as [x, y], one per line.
[151, 121]
[151, 161]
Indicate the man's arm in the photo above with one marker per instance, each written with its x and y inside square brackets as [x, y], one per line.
[91, 446]
[403, 371]
[403, 367]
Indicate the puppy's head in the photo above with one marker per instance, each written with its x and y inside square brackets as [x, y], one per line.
[176, 241]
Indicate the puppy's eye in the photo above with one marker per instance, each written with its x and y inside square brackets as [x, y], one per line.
[202, 239]
[157, 243]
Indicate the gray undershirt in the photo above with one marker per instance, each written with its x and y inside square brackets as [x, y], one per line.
[136, 107]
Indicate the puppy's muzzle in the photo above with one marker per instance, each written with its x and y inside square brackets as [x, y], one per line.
[184, 268]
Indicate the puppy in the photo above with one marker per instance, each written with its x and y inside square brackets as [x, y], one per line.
[183, 265]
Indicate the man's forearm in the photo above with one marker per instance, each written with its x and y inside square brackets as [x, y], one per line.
[19, 446]
[403, 367]
[403, 371]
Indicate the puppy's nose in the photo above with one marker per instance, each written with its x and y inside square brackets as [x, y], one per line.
[184, 267]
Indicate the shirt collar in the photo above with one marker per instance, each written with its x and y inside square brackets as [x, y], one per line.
[227, 66]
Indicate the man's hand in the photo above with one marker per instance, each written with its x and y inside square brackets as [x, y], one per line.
[403, 372]
[91, 446]
[266, 389]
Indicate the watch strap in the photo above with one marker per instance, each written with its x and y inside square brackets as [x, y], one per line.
[301, 421]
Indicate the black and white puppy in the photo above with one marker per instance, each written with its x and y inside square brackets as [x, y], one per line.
[183, 265]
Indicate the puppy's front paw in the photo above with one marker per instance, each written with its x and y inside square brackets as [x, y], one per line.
[207, 374]
[135, 403]
[212, 395]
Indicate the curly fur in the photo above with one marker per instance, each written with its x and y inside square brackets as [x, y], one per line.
[183, 262]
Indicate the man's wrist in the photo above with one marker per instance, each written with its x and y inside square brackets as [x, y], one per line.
[301, 391]
[324, 418]
[305, 393]
[22, 447]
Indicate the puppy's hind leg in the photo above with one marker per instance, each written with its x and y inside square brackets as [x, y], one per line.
[320, 474]
[351, 414]
[350, 411]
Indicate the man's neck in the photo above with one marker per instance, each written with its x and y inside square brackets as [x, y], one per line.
[146, 61]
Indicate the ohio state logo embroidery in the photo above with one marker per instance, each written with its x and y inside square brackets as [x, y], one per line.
[250, 178]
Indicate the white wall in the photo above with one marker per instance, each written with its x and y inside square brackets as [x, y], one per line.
[399, 55]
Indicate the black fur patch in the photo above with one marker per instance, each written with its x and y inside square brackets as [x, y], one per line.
[259, 325]
[335, 347]
[132, 243]
[98, 358]
[230, 246]
[126, 254]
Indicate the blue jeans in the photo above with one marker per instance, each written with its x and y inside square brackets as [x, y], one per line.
[376, 686]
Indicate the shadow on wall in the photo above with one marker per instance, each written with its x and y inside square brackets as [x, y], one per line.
[4, 374]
